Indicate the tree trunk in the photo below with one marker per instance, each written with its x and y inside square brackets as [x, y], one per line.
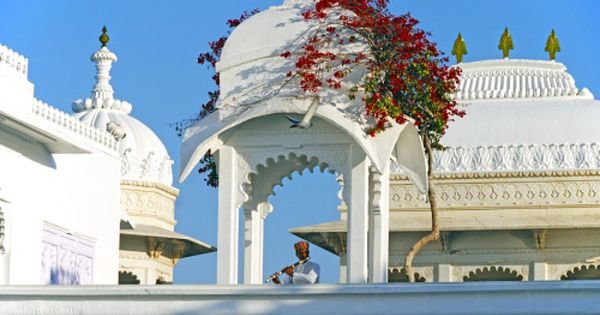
[435, 228]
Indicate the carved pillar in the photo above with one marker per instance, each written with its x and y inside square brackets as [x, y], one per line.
[254, 242]
[228, 216]
[379, 227]
[357, 195]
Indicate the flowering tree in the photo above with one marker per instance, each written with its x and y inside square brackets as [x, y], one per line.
[403, 76]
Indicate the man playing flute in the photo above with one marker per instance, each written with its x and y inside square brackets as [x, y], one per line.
[304, 273]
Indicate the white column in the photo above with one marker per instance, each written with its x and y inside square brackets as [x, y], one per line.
[228, 224]
[358, 216]
[444, 273]
[380, 227]
[251, 247]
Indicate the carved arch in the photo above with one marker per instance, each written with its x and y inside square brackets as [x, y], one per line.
[583, 272]
[260, 182]
[493, 274]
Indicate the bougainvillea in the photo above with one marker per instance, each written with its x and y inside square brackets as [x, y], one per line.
[403, 76]
[210, 58]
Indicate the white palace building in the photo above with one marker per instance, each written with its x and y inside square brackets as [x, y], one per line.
[519, 199]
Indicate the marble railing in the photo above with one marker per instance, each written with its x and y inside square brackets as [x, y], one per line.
[13, 60]
[71, 124]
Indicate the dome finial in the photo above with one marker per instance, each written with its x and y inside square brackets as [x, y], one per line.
[552, 45]
[104, 39]
[506, 43]
[459, 49]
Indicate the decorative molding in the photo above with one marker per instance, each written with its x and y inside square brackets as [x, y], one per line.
[539, 237]
[155, 248]
[14, 61]
[151, 168]
[148, 203]
[514, 79]
[71, 124]
[172, 191]
[511, 158]
[535, 191]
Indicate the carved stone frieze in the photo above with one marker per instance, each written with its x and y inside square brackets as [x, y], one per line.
[520, 271]
[533, 191]
[151, 201]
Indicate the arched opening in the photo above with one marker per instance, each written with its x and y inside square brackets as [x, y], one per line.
[584, 272]
[493, 274]
[399, 275]
[307, 198]
[128, 277]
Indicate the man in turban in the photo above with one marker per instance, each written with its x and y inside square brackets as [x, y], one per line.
[304, 273]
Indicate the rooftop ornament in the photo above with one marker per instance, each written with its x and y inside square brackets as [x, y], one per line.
[506, 43]
[459, 49]
[104, 39]
[552, 45]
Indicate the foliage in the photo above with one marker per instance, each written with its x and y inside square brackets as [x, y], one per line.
[210, 58]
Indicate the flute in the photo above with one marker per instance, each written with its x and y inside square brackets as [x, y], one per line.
[294, 265]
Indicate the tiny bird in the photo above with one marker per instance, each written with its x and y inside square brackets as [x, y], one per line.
[306, 121]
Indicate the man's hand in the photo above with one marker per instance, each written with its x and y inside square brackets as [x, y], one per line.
[276, 279]
[289, 271]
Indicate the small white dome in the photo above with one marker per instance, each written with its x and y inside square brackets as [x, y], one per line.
[143, 156]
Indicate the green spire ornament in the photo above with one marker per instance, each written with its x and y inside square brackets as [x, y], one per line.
[552, 45]
[459, 49]
[104, 39]
[506, 43]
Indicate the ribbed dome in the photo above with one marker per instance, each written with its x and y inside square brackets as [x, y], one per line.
[510, 78]
[522, 115]
[143, 156]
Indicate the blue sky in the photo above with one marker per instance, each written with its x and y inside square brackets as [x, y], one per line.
[157, 43]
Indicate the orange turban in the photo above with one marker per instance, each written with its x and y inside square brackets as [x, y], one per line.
[301, 245]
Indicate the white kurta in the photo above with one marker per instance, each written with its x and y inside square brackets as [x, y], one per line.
[306, 273]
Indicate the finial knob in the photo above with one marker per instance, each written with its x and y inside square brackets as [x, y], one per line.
[104, 39]
[552, 45]
[506, 43]
[459, 49]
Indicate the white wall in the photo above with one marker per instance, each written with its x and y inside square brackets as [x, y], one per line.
[77, 192]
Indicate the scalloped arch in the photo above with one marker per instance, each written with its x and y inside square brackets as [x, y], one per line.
[582, 272]
[493, 273]
[260, 183]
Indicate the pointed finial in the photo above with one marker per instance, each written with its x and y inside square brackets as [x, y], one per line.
[104, 37]
[459, 49]
[506, 43]
[552, 45]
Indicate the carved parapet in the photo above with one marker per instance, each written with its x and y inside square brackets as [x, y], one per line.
[13, 61]
[70, 124]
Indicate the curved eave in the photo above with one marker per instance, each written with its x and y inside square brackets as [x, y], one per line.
[399, 142]
[193, 246]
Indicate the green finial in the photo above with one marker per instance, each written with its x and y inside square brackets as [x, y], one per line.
[552, 45]
[459, 49]
[104, 37]
[506, 43]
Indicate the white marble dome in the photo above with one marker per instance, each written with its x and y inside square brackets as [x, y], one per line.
[521, 115]
[143, 155]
